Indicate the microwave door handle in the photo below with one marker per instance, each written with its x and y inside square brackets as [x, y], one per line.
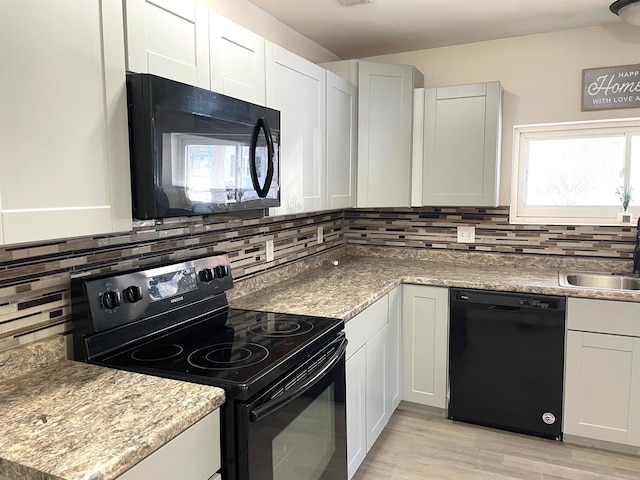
[277, 403]
[270, 155]
[262, 191]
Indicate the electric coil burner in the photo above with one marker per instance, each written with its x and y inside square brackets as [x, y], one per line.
[283, 375]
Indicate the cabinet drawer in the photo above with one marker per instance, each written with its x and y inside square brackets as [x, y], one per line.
[366, 324]
[603, 316]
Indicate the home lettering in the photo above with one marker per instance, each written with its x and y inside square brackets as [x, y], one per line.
[607, 84]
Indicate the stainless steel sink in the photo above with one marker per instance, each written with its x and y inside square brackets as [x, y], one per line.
[598, 280]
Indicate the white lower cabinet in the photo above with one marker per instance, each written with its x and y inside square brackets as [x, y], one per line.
[394, 363]
[192, 455]
[376, 385]
[425, 337]
[602, 371]
[372, 374]
[356, 372]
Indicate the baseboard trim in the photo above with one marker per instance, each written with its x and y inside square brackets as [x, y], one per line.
[422, 409]
[601, 444]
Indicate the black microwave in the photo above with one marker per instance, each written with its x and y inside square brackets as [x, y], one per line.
[197, 152]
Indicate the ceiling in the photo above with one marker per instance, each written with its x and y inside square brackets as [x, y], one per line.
[392, 26]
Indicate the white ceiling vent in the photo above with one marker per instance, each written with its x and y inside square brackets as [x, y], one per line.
[351, 3]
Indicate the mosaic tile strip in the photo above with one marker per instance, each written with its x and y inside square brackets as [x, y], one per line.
[435, 228]
[35, 278]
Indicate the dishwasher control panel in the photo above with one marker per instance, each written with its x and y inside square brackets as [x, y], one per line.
[538, 303]
[509, 299]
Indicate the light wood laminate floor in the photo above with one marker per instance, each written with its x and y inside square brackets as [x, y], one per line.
[426, 447]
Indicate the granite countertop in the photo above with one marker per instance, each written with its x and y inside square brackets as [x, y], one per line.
[345, 290]
[68, 420]
[71, 420]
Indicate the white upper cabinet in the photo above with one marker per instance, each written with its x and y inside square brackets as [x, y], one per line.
[385, 113]
[341, 142]
[168, 38]
[237, 60]
[297, 88]
[64, 164]
[385, 118]
[461, 146]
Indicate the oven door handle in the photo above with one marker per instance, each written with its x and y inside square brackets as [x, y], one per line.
[280, 401]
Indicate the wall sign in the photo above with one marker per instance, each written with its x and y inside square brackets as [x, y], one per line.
[611, 87]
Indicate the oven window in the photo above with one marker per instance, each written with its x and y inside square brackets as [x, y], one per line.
[305, 447]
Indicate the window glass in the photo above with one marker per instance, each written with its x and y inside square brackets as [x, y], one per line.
[574, 171]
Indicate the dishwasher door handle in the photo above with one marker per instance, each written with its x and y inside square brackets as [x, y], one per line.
[504, 308]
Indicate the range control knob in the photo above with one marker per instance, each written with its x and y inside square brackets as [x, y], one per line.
[221, 271]
[206, 275]
[132, 294]
[110, 300]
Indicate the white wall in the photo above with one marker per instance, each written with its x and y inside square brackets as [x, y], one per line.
[541, 75]
[257, 20]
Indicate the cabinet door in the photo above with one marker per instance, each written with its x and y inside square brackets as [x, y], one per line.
[356, 369]
[602, 387]
[462, 145]
[385, 111]
[425, 338]
[64, 162]
[192, 455]
[341, 142]
[394, 364]
[236, 60]
[168, 38]
[376, 385]
[297, 88]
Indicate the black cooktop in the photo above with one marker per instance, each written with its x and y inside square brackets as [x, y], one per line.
[241, 351]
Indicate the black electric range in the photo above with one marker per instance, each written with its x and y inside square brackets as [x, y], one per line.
[173, 321]
[242, 351]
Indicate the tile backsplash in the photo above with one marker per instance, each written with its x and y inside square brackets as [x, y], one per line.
[34, 278]
[436, 228]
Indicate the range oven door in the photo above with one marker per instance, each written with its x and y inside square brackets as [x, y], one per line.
[297, 429]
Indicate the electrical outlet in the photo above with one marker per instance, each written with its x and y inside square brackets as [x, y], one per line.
[466, 234]
[269, 250]
[320, 235]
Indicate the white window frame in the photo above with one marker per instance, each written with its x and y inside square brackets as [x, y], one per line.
[566, 215]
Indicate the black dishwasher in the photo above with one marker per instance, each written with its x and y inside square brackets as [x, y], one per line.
[506, 360]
